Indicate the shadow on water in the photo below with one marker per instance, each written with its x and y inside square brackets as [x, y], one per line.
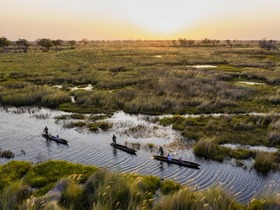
[21, 131]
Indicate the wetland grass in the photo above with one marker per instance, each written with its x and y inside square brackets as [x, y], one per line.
[122, 75]
[86, 187]
[266, 162]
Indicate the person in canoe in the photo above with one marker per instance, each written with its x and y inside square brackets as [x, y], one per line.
[114, 138]
[57, 137]
[46, 130]
[169, 157]
[160, 151]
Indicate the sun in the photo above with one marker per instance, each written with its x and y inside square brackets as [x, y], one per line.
[163, 17]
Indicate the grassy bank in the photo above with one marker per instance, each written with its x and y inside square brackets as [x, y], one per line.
[85, 187]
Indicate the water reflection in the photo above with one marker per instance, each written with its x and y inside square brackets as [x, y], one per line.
[21, 131]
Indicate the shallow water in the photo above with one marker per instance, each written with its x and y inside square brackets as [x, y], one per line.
[21, 132]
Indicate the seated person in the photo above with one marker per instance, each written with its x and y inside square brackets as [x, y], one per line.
[169, 157]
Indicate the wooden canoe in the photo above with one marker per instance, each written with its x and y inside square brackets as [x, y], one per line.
[124, 148]
[177, 162]
[53, 138]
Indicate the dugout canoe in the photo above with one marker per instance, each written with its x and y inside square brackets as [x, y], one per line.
[124, 148]
[177, 162]
[53, 138]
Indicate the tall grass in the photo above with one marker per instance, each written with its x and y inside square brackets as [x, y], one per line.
[265, 162]
[44, 176]
[210, 149]
[105, 190]
[14, 195]
[12, 172]
[213, 198]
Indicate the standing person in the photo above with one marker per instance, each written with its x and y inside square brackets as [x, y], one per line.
[46, 130]
[161, 151]
[114, 138]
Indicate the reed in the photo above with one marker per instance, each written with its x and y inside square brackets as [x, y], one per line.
[13, 195]
[55, 99]
[181, 200]
[265, 162]
[210, 149]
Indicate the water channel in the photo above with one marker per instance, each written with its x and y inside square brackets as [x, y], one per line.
[20, 132]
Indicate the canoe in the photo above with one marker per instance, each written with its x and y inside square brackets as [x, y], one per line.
[177, 162]
[53, 138]
[124, 148]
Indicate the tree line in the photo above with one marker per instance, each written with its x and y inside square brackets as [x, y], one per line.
[22, 45]
[183, 42]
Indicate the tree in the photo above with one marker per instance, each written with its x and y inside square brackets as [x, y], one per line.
[45, 43]
[4, 42]
[57, 42]
[72, 43]
[267, 44]
[84, 41]
[23, 43]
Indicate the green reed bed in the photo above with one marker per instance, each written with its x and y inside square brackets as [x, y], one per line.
[266, 162]
[43, 176]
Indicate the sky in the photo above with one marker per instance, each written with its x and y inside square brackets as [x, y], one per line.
[140, 19]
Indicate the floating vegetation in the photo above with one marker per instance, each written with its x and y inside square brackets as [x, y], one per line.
[6, 154]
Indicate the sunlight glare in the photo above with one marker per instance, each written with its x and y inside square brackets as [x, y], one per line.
[164, 16]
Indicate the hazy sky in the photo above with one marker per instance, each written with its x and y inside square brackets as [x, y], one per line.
[140, 19]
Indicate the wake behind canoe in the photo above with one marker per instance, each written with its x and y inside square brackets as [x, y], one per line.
[124, 148]
[53, 138]
[177, 162]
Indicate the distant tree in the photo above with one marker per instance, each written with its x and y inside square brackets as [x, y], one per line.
[206, 41]
[228, 42]
[84, 41]
[45, 43]
[57, 43]
[23, 43]
[72, 43]
[268, 44]
[4, 42]
[186, 43]
[215, 42]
